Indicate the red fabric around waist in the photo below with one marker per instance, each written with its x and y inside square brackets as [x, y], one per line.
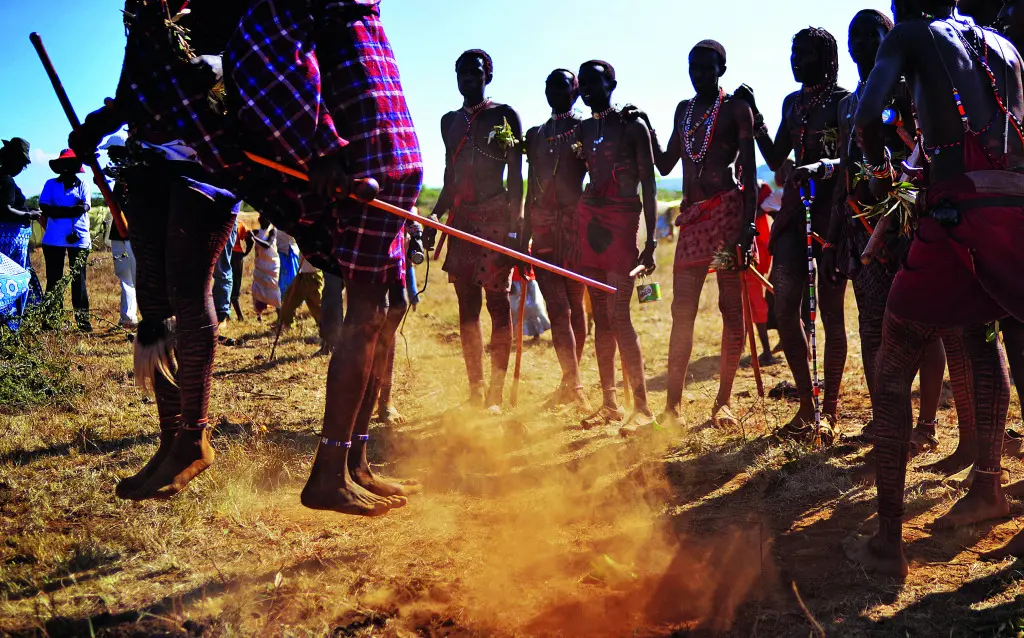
[469, 262]
[608, 228]
[706, 227]
[967, 274]
[555, 234]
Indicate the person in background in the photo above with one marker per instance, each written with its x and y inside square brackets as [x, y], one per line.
[290, 258]
[15, 221]
[222, 275]
[242, 247]
[762, 262]
[266, 292]
[307, 286]
[65, 206]
[120, 246]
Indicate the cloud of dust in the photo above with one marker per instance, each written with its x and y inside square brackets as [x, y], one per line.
[550, 532]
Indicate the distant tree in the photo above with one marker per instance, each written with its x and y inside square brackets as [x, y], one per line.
[32, 203]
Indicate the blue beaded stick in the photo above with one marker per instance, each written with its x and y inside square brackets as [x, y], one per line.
[808, 200]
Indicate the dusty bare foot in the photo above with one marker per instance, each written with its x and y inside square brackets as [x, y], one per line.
[1013, 444]
[605, 414]
[190, 455]
[395, 492]
[669, 418]
[637, 422]
[876, 555]
[984, 501]
[866, 473]
[344, 498]
[962, 458]
[476, 397]
[722, 416]
[923, 439]
[1014, 548]
[388, 415]
[127, 485]
[801, 428]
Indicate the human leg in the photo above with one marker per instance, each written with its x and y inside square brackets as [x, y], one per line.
[471, 301]
[790, 282]
[398, 306]
[197, 232]
[575, 291]
[222, 280]
[330, 485]
[237, 270]
[687, 284]
[959, 364]
[730, 304]
[871, 289]
[124, 267]
[53, 258]
[629, 349]
[991, 383]
[556, 295]
[831, 300]
[933, 370]
[78, 258]
[331, 312]
[604, 348]
[313, 291]
[499, 308]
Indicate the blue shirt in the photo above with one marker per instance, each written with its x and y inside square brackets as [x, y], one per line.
[67, 232]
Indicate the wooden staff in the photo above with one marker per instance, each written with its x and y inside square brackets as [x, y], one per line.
[366, 190]
[76, 125]
[748, 323]
[520, 314]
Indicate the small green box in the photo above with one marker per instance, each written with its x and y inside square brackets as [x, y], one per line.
[648, 292]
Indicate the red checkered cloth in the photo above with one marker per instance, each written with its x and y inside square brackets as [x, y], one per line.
[310, 79]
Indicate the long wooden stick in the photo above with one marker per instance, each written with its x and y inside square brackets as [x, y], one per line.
[748, 323]
[444, 228]
[69, 111]
[520, 315]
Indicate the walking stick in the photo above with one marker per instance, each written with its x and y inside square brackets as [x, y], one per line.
[69, 111]
[808, 201]
[748, 324]
[520, 315]
[365, 190]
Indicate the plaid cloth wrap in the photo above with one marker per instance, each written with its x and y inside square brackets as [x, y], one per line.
[165, 97]
[297, 101]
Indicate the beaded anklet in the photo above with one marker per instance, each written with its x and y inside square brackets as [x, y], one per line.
[363, 437]
[198, 426]
[332, 443]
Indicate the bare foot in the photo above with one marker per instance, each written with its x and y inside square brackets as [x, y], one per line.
[476, 397]
[722, 416]
[800, 428]
[190, 455]
[962, 458]
[983, 502]
[865, 474]
[388, 415]
[637, 422]
[605, 414]
[877, 556]
[345, 498]
[1014, 548]
[127, 485]
[669, 418]
[397, 492]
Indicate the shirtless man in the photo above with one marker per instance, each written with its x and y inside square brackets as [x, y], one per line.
[809, 125]
[962, 272]
[556, 183]
[474, 195]
[620, 162]
[848, 236]
[713, 134]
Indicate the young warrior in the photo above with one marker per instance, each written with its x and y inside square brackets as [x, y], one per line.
[713, 134]
[848, 237]
[481, 141]
[809, 123]
[620, 161]
[962, 271]
[556, 182]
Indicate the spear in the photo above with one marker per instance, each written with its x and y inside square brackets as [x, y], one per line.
[76, 125]
[365, 190]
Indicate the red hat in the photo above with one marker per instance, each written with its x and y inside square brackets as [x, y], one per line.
[65, 162]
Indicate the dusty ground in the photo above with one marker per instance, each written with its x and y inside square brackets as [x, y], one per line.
[527, 527]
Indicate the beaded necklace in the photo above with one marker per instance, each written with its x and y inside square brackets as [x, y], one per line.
[820, 97]
[605, 113]
[473, 109]
[600, 126]
[563, 116]
[556, 141]
[710, 118]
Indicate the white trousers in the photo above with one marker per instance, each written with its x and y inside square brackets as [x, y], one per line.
[124, 268]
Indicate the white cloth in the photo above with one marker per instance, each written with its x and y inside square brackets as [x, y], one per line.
[773, 203]
[124, 269]
[59, 230]
[174, 151]
[266, 269]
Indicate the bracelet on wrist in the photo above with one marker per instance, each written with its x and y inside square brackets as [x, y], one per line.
[883, 170]
[829, 170]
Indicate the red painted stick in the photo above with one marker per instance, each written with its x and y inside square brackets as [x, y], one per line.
[361, 192]
[520, 315]
[748, 323]
[97, 173]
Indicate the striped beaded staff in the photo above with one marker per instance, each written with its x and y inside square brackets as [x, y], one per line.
[807, 197]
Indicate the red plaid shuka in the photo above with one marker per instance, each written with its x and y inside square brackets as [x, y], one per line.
[315, 78]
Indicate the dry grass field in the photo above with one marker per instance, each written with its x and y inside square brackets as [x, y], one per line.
[527, 525]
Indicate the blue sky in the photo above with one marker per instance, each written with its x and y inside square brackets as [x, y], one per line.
[647, 42]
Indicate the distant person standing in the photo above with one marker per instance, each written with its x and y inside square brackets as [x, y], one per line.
[308, 287]
[65, 206]
[15, 221]
[266, 292]
[223, 279]
[242, 247]
[120, 246]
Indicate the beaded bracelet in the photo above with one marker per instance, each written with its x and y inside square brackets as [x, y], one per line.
[830, 170]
